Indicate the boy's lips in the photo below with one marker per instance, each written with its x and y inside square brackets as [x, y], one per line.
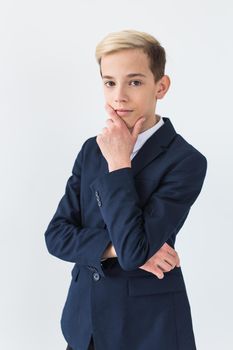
[123, 110]
[123, 113]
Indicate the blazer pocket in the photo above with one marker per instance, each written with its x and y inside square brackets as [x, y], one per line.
[75, 272]
[152, 285]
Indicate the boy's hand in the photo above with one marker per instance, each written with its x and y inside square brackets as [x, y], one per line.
[109, 252]
[164, 260]
[116, 142]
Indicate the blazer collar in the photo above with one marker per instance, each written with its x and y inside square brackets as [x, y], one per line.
[152, 148]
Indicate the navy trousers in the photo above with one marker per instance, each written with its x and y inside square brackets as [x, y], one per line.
[90, 347]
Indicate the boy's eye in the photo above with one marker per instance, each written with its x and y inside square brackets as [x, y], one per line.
[138, 83]
[107, 82]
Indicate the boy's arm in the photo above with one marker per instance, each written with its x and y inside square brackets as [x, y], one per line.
[164, 260]
[65, 237]
[136, 233]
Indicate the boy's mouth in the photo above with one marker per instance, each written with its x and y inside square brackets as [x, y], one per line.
[123, 112]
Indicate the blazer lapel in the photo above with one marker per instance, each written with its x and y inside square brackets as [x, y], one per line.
[152, 148]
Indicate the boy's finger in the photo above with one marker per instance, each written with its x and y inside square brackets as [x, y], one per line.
[137, 127]
[169, 249]
[159, 273]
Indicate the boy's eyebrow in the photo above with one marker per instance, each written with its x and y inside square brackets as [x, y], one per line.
[131, 75]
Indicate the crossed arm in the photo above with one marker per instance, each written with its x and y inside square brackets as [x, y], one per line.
[139, 245]
[67, 239]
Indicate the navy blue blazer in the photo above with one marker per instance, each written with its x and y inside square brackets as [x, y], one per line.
[138, 209]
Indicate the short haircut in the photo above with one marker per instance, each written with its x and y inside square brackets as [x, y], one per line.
[133, 39]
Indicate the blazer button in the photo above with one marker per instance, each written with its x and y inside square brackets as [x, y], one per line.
[98, 198]
[96, 276]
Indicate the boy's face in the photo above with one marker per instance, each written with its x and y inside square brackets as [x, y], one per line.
[136, 94]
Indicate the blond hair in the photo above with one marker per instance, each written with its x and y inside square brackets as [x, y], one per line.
[133, 39]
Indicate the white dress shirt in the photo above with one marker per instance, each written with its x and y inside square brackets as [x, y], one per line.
[142, 138]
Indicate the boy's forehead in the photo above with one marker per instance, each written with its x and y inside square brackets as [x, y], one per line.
[128, 63]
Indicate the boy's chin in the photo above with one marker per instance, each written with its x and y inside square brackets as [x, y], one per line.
[130, 128]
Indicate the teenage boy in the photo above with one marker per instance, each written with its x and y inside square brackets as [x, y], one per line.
[130, 192]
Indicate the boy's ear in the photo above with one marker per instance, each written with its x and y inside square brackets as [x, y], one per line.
[163, 86]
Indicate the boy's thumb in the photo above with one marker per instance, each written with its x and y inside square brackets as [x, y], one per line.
[138, 127]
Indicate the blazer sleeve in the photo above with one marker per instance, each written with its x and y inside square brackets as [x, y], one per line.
[138, 233]
[65, 237]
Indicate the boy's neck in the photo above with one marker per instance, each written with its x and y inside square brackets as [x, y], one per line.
[151, 123]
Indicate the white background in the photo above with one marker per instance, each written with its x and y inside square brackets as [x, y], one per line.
[51, 101]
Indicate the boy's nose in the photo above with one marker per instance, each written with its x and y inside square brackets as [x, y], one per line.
[120, 95]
